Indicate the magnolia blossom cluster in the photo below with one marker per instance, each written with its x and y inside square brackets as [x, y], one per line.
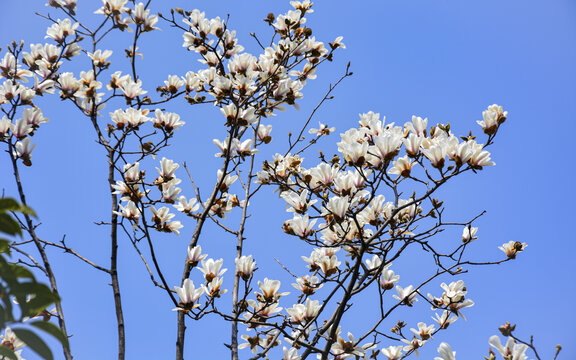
[122, 15]
[343, 191]
[337, 205]
[245, 87]
[212, 272]
[26, 75]
[86, 90]
[134, 191]
[453, 299]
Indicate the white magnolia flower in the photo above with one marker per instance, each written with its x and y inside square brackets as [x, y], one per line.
[10, 340]
[323, 129]
[297, 202]
[212, 268]
[195, 255]
[445, 319]
[187, 206]
[402, 166]
[167, 169]
[290, 354]
[337, 206]
[417, 126]
[469, 234]
[393, 352]
[406, 295]
[512, 248]
[188, 295]
[511, 350]
[269, 290]
[100, 58]
[388, 278]
[445, 352]
[213, 288]
[245, 267]
[424, 331]
[304, 313]
[130, 211]
[308, 284]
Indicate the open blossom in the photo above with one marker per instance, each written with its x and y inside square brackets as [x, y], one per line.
[34, 117]
[424, 331]
[329, 265]
[170, 191]
[299, 225]
[227, 181]
[245, 148]
[387, 145]
[173, 84]
[290, 354]
[242, 117]
[308, 284]
[253, 342]
[337, 206]
[297, 202]
[445, 352]
[269, 290]
[388, 278]
[61, 29]
[131, 118]
[132, 89]
[195, 255]
[492, 118]
[417, 126]
[212, 268]
[264, 133]
[413, 344]
[406, 295]
[393, 352]
[188, 295]
[10, 340]
[142, 17]
[187, 206]
[354, 153]
[130, 211]
[213, 288]
[349, 349]
[21, 129]
[480, 158]
[402, 166]
[166, 170]
[112, 7]
[511, 350]
[303, 313]
[436, 154]
[512, 248]
[374, 263]
[69, 85]
[162, 219]
[100, 58]
[132, 172]
[323, 129]
[167, 120]
[5, 126]
[445, 319]
[323, 174]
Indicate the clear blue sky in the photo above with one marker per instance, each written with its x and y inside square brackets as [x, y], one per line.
[442, 59]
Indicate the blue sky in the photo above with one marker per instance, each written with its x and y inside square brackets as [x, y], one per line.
[442, 59]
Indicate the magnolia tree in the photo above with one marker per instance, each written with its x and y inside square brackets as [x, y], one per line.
[360, 210]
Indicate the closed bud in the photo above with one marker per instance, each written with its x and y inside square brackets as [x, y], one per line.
[506, 329]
